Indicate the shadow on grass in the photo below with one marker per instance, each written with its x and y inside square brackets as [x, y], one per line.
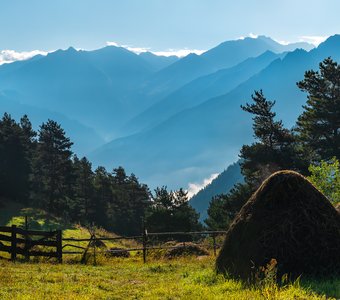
[14, 214]
[329, 287]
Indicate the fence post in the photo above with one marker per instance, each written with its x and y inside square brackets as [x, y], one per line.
[94, 250]
[214, 243]
[14, 243]
[144, 242]
[59, 237]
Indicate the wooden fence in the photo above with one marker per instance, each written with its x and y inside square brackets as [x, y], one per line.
[145, 240]
[18, 241]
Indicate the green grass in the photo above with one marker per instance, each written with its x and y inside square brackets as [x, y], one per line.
[184, 278]
[114, 278]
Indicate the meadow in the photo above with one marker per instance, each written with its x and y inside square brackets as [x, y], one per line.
[117, 278]
[187, 277]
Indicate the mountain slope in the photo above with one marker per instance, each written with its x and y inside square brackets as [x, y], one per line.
[84, 137]
[200, 89]
[92, 87]
[223, 56]
[222, 184]
[196, 142]
[158, 62]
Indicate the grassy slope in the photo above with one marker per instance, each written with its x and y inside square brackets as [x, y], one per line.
[40, 220]
[187, 278]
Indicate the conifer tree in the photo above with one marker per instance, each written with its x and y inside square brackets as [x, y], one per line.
[319, 124]
[83, 189]
[16, 142]
[274, 146]
[53, 168]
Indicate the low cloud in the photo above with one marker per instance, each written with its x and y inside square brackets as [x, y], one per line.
[250, 35]
[8, 56]
[313, 39]
[169, 52]
[179, 53]
[137, 50]
[194, 188]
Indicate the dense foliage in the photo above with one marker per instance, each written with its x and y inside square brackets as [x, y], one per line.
[39, 169]
[315, 138]
[326, 177]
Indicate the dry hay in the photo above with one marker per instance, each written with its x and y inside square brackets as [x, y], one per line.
[97, 243]
[287, 220]
[337, 207]
[186, 249]
[118, 252]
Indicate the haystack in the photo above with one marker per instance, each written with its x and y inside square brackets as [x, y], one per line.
[288, 220]
[187, 249]
[337, 207]
[117, 252]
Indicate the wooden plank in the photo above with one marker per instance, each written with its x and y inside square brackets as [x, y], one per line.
[37, 232]
[187, 233]
[104, 238]
[42, 253]
[5, 238]
[5, 229]
[5, 248]
[32, 243]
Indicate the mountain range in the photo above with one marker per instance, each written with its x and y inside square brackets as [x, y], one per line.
[171, 121]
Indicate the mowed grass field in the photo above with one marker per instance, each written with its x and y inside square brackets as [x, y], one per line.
[129, 278]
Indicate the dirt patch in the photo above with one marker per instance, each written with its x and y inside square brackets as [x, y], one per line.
[287, 219]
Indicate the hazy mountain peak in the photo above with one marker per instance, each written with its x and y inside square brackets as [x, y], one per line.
[332, 41]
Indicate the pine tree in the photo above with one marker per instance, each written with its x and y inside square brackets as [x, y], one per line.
[319, 125]
[83, 206]
[171, 211]
[53, 168]
[16, 142]
[274, 146]
[223, 208]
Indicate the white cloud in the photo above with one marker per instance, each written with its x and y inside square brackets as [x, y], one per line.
[137, 50]
[8, 56]
[111, 43]
[179, 52]
[194, 188]
[251, 35]
[314, 39]
[169, 52]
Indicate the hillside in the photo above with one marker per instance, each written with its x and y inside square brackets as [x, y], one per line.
[220, 185]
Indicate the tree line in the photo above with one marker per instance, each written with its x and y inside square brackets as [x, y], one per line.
[39, 169]
[311, 146]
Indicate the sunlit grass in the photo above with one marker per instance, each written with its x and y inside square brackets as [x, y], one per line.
[183, 278]
[117, 278]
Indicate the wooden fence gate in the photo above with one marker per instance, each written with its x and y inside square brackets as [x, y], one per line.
[17, 241]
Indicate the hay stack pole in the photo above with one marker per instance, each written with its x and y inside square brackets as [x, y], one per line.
[286, 219]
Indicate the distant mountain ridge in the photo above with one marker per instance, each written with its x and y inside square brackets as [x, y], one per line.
[192, 104]
[194, 143]
[200, 89]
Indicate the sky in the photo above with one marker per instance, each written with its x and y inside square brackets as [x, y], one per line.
[162, 26]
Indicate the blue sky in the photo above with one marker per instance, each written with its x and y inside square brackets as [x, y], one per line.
[159, 25]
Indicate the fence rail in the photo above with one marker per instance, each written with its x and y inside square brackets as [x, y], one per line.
[25, 245]
[23, 242]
